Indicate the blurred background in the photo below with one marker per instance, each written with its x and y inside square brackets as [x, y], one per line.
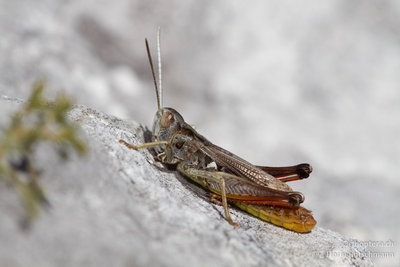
[276, 82]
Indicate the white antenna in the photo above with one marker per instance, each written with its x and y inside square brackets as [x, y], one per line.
[159, 66]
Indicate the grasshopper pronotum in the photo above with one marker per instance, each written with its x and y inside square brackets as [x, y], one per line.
[258, 190]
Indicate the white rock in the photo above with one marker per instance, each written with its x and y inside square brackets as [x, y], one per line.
[118, 207]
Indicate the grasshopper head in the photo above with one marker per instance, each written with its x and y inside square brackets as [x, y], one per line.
[167, 122]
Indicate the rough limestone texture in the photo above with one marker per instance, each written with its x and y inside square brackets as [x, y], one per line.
[119, 207]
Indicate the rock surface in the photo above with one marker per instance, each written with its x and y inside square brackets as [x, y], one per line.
[118, 207]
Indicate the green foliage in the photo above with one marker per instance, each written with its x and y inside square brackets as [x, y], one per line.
[37, 121]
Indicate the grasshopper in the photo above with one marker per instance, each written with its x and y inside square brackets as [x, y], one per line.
[259, 190]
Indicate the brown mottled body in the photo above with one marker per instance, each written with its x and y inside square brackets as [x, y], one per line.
[261, 191]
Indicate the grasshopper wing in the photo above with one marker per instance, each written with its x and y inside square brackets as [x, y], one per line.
[298, 172]
[243, 168]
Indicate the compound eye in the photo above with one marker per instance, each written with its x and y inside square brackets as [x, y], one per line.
[167, 119]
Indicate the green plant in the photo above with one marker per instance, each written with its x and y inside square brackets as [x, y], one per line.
[38, 120]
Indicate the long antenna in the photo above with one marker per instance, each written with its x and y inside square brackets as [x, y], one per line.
[154, 75]
[159, 65]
